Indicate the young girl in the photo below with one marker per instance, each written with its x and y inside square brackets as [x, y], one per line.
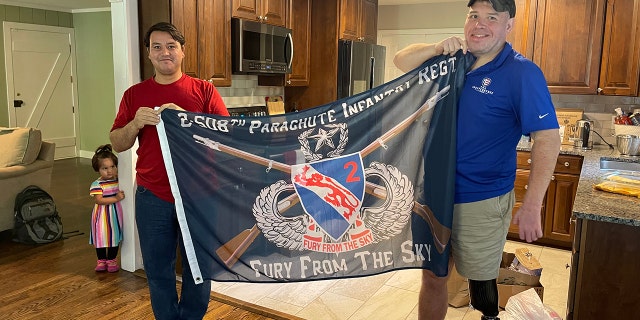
[106, 219]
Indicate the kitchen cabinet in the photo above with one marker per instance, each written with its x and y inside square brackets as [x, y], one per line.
[604, 265]
[558, 202]
[520, 188]
[265, 11]
[322, 88]
[582, 47]
[300, 24]
[620, 69]
[206, 28]
[359, 20]
[521, 36]
[568, 42]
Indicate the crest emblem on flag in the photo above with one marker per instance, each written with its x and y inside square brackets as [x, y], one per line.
[331, 191]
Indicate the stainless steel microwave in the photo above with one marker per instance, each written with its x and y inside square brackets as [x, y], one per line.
[259, 48]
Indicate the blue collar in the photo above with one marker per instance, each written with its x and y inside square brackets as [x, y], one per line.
[498, 60]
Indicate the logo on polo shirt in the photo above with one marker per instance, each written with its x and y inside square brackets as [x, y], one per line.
[483, 89]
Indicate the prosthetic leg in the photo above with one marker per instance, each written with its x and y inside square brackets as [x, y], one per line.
[484, 298]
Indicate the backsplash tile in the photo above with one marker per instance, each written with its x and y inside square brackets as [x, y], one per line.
[600, 109]
[245, 92]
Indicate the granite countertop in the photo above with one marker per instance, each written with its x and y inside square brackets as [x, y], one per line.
[599, 205]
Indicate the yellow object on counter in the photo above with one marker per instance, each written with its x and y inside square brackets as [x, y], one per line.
[625, 188]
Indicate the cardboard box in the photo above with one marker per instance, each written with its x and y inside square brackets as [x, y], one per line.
[275, 105]
[512, 282]
[567, 120]
[526, 263]
[458, 289]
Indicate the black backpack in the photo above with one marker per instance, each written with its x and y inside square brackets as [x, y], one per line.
[36, 219]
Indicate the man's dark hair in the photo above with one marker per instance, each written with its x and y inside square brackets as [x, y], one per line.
[165, 27]
[499, 6]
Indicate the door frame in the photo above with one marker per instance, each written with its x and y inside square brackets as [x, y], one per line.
[8, 56]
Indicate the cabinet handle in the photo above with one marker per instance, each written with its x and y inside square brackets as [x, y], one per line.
[529, 161]
[265, 18]
[553, 178]
[599, 90]
[526, 186]
[566, 164]
[260, 18]
[288, 81]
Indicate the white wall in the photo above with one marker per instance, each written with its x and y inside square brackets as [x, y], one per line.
[401, 25]
[395, 40]
[423, 16]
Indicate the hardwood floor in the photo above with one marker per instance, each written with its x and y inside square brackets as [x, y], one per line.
[57, 281]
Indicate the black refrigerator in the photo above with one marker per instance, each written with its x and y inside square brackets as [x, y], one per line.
[360, 67]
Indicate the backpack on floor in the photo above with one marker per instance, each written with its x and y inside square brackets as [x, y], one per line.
[36, 219]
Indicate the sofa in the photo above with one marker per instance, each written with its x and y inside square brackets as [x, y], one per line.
[24, 160]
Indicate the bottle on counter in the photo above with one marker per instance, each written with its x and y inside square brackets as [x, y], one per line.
[635, 119]
[622, 118]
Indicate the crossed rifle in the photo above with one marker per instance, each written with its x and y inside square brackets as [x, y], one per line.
[231, 251]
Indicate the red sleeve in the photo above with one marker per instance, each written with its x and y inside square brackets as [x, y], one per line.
[216, 105]
[124, 115]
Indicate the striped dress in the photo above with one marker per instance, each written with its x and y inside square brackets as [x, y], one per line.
[106, 220]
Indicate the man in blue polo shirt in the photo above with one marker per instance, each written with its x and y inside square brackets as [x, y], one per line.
[504, 96]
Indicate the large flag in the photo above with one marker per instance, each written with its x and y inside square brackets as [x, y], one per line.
[357, 187]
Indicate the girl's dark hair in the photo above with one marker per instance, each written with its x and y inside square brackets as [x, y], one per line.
[165, 27]
[103, 152]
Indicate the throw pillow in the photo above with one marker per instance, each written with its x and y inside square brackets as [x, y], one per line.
[33, 147]
[17, 146]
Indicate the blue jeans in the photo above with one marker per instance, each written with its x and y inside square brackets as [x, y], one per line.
[159, 235]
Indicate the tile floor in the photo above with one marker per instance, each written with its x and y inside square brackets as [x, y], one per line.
[392, 295]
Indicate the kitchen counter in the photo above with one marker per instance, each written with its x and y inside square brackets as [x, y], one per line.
[606, 246]
[599, 205]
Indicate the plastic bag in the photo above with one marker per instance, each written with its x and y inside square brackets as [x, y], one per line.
[527, 305]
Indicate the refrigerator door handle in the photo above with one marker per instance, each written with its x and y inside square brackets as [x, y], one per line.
[372, 75]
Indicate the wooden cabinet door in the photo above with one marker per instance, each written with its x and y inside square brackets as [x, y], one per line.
[568, 42]
[275, 12]
[521, 37]
[246, 9]
[620, 70]
[214, 43]
[359, 20]
[605, 280]
[300, 24]
[520, 188]
[149, 13]
[557, 206]
[561, 193]
[205, 25]
[265, 11]
[349, 19]
[369, 21]
[184, 15]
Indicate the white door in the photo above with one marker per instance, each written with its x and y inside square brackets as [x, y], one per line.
[39, 61]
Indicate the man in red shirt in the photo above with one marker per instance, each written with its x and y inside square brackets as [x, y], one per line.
[156, 218]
